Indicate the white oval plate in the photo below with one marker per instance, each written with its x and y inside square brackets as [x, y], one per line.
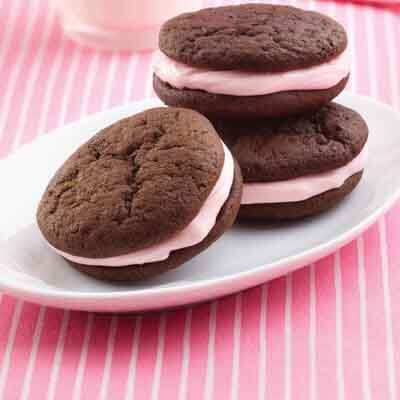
[245, 256]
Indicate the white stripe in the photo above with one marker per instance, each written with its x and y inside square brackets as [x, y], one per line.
[130, 77]
[69, 84]
[312, 5]
[209, 384]
[331, 8]
[132, 364]
[90, 77]
[49, 91]
[388, 24]
[9, 346]
[371, 43]
[363, 320]
[9, 26]
[32, 81]
[159, 358]
[339, 329]
[262, 369]
[109, 354]
[82, 360]
[185, 356]
[149, 82]
[388, 310]
[236, 347]
[288, 338]
[352, 42]
[58, 356]
[313, 336]
[32, 358]
[19, 62]
[110, 80]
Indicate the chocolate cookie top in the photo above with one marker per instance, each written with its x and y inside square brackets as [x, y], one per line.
[134, 184]
[272, 150]
[260, 37]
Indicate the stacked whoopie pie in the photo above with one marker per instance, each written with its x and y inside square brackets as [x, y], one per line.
[265, 76]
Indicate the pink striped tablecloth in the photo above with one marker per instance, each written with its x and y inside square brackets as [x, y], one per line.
[328, 331]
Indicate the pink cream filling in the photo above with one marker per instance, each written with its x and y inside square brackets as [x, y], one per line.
[304, 187]
[192, 234]
[243, 83]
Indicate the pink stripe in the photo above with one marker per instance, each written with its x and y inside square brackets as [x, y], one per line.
[275, 339]
[30, 129]
[96, 357]
[45, 356]
[58, 90]
[4, 16]
[172, 358]
[150, 93]
[326, 326]
[74, 105]
[396, 32]
[21, 350]
[142, 70]
[71, 356]
[340, 15]
[118, 89]
[352, 37]
[146, 357]
[13, 111]
[224, 347]
[7, 308]
[381, 52]
[300, 334]
[376, 316]
[393, 234]
[249, 344]
[98, 88]
[363, 69]
[121, 357]
[18, 31]
[198, 351]
[351, 323]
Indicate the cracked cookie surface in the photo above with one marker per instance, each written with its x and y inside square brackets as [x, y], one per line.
[272, 150]
[260, 37]
[134, 184]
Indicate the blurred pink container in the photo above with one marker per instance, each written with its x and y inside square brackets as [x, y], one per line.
[119, 24]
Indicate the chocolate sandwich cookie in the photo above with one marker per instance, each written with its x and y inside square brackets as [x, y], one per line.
[142, 196]
[299, 166]
[251, 60]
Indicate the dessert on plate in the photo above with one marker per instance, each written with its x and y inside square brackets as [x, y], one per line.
[142, 196]
[251, 61]
[298, 166]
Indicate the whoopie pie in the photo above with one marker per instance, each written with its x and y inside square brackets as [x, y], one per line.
[298, 166]
[142, 196]
[251, 61]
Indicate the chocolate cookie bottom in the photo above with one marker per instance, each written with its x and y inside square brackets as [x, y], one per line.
[274, 105]
[299, 209]
[225, 219]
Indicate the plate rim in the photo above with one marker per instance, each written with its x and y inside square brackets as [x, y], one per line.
[230, 281]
